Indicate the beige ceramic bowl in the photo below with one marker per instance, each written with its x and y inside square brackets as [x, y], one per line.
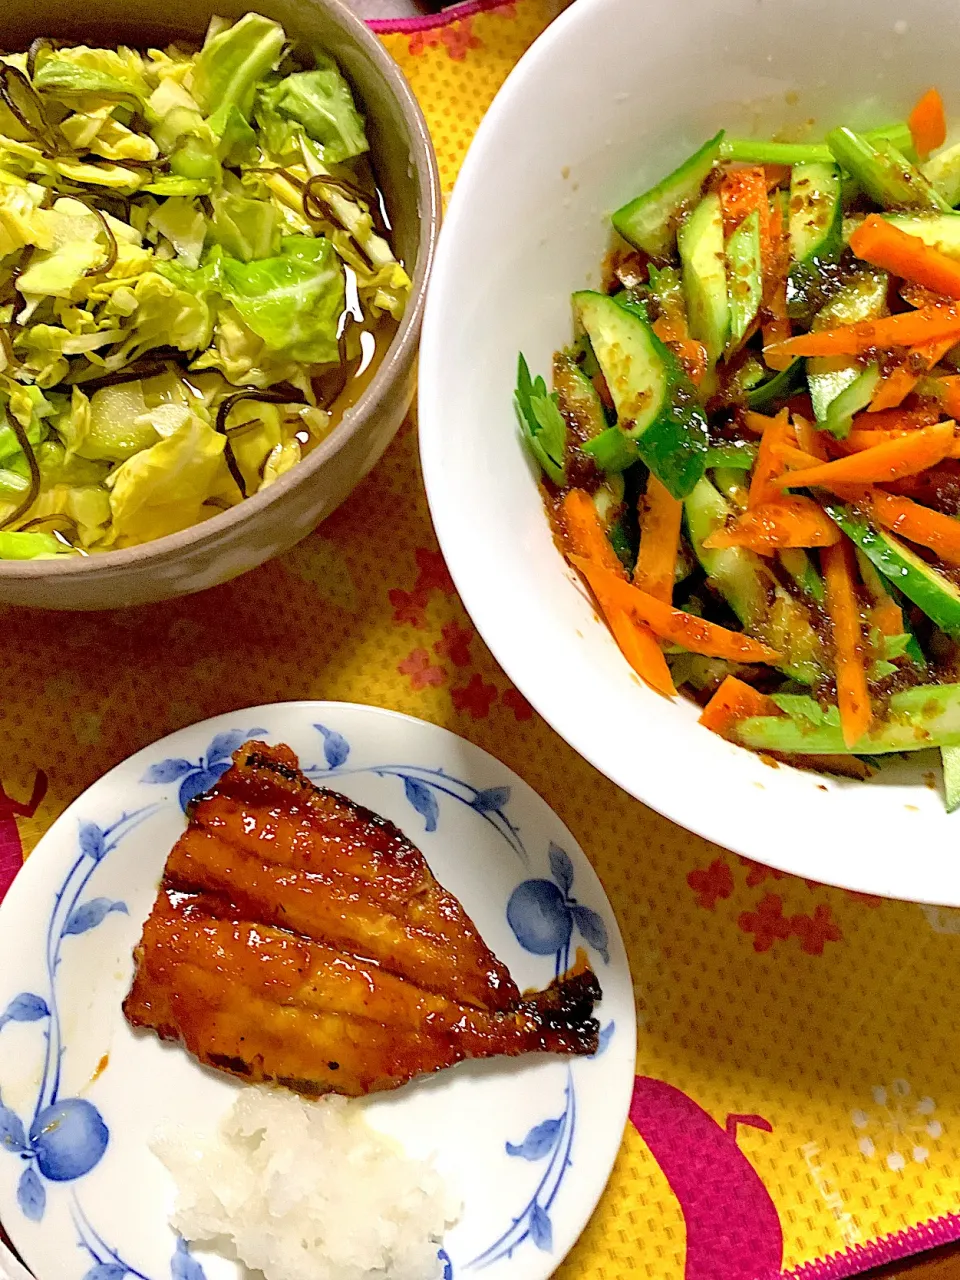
[271, 521]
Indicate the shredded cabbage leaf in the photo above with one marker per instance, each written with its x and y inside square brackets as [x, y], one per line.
[175, 227]
[292, 302]
[320, 102]
[161, 489]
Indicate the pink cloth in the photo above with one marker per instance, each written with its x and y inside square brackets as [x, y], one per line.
[10, 854]
[11, 846]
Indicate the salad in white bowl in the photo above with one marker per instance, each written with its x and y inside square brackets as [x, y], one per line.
[619, 128]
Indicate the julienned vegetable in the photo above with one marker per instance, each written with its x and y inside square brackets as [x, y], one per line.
[193, 266]
[750, 451]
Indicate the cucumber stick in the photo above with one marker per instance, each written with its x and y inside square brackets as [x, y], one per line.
[748, 376]
[577, 398]
[732, 571]
[749, 588]
[862, 298]
[737, 455]
[854, 398]
[930, 590]
[666, 289]
[815, 214]
[701, 246]
[925, 716]
[759, 151]
[657, 406]
[802, 570]
[884, 173]
[612, 451]
[744, 277]
[882, 592]
[649, 222]
[733, 485]
[942, 171]
[950, 757]
[608, 499]
[940, 230]
[827, 377]
[769, 395]
[816, 234]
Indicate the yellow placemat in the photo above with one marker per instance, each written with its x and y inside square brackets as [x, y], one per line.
[797, 1103]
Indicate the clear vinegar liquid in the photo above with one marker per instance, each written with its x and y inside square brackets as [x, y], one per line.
[374, 337]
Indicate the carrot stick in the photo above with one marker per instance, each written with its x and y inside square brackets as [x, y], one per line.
[898, 384]
[857, 441]
[887, 617]
[894, 388]
[907, 456]
[695, 634]
[735, 701]
[951, 401]
[898, 419]
[584, 536]
[808, 437]
[908, 329]
[932, 353]
[742, 191]
[758, 423]
[853, 697]
[670, 328]
[919, 296]
[928, 123]
[916, 523]
[799, 458]
[660, 515]
[768, 464]
[790, 522]
[776, 332]
[693, 356]
[641, 649]
[902, 254]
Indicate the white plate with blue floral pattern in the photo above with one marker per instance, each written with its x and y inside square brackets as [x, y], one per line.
[527, 1144]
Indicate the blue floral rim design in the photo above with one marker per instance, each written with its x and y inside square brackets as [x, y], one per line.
[423, 788]
[67, 1137]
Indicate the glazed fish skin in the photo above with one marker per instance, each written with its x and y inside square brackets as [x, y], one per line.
[271, 1007]
[333, 911]
[271, 833]
[298, 939]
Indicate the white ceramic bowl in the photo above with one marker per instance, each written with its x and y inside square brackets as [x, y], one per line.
[610, 98]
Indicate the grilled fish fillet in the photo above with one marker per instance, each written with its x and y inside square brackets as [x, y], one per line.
[298, 938]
